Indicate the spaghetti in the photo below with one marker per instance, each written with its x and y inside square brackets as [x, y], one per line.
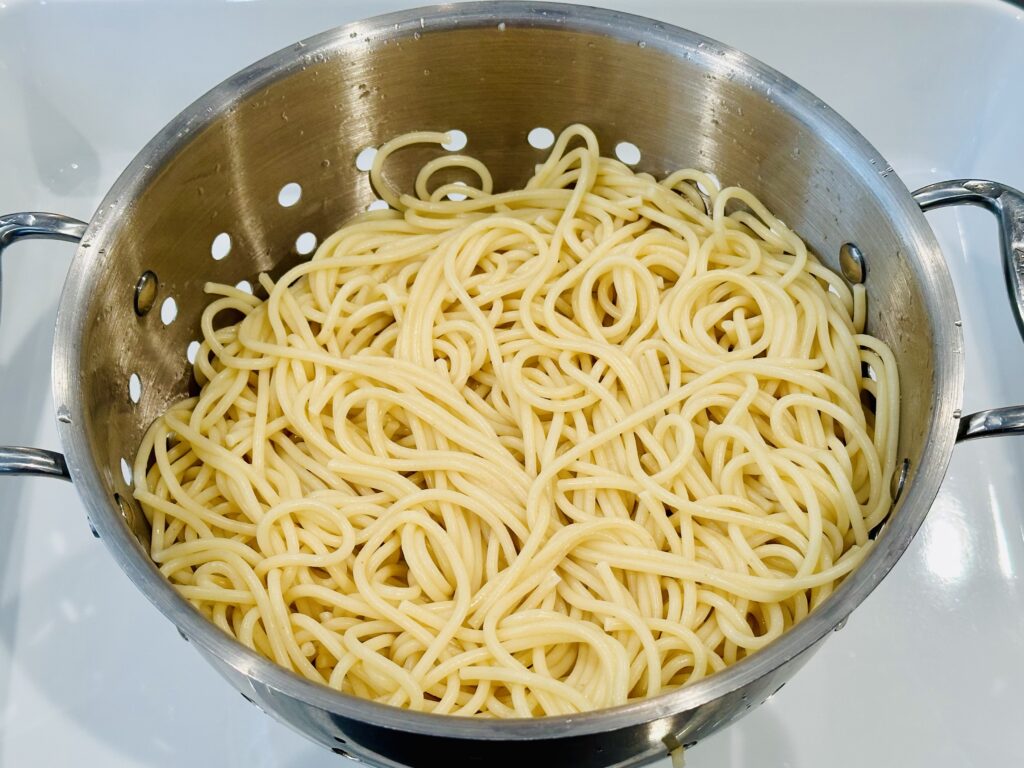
[532, 452]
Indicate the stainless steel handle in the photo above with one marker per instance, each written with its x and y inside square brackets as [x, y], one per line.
[23, 226]
[32, 461]
[1007, 204]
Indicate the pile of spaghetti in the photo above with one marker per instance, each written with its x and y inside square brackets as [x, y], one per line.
[532, 452]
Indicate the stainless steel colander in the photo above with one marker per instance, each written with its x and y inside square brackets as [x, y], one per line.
[495, 71]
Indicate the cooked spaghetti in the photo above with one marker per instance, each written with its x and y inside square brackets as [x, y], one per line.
[532, 452]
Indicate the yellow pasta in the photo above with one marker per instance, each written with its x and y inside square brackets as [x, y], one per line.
[532, 452]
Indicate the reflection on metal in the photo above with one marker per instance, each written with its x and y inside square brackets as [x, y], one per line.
[992, 423]
[32, 461]
[851, 261]
[46, 226]
[145, 292]
[899, 479]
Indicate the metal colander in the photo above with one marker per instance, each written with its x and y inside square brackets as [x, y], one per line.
[225, 191]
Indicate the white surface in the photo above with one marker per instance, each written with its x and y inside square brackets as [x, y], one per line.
[928, 672]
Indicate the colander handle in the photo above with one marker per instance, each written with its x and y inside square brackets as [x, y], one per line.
[1007, 204]
[24, 226]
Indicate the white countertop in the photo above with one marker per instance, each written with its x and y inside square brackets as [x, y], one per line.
[928, 672]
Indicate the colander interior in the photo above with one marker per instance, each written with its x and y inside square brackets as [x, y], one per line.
[269, 163]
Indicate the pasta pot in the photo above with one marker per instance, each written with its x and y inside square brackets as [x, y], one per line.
[213, 198]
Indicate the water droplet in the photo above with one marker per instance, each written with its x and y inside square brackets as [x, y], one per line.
[325, 163]
[74, 166]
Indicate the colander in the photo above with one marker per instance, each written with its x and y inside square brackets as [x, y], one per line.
[225, 191]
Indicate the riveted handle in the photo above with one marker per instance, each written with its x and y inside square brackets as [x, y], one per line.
[15, 460]
[1007, 204]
